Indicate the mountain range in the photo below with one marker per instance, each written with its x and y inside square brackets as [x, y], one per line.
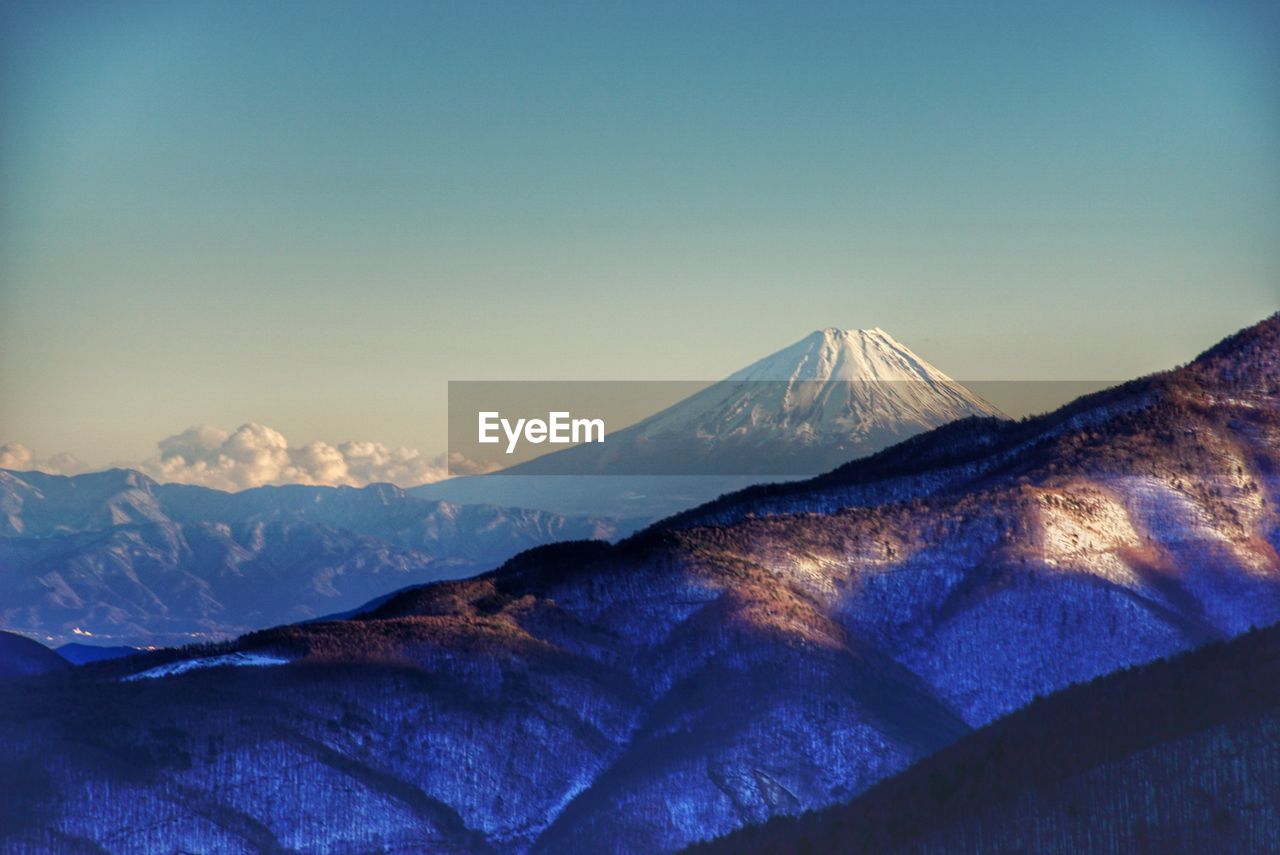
[779, 650]
[115, 557]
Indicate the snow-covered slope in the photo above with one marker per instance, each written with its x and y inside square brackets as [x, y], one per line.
[831, 397]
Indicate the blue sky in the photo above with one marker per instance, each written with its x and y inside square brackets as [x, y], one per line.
[313, 215]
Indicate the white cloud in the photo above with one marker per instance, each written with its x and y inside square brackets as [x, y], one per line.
[255, 455]
[15, 455]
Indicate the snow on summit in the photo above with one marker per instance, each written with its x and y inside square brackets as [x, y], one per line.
[842, 355]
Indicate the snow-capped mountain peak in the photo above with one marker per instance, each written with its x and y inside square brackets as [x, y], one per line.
[830, 397]
[848, 387]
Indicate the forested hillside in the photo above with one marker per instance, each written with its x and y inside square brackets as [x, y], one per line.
[1181, 755]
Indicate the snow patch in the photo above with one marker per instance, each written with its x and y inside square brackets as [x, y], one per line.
[1085, 531]
[233, 659]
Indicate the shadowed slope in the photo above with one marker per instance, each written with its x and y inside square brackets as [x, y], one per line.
[23, 657]
[1177, 756]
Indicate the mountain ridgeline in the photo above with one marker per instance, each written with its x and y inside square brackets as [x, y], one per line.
[780, 650]
[21, 657]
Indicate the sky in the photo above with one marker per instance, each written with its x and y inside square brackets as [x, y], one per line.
[311, 216]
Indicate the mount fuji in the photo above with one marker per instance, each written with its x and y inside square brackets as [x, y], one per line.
[834, 396]
[830, 397]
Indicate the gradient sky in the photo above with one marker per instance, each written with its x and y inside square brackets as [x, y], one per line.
[313, 215]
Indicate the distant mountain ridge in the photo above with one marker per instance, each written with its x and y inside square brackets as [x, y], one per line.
[781, 650]
[22, 657]
[79, 654]
[119, 557]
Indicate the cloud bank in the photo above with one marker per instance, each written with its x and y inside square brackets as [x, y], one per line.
[255, 455]
[15, 455]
